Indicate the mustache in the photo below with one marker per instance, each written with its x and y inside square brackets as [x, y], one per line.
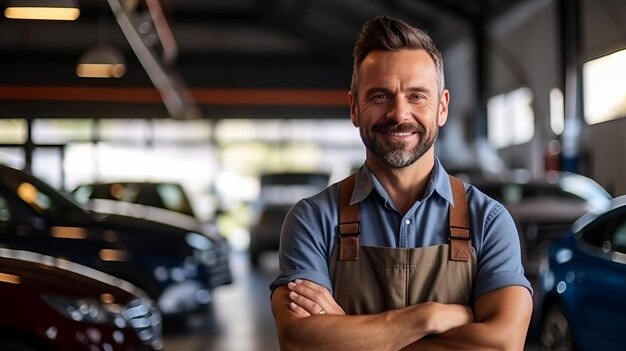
[392, 127]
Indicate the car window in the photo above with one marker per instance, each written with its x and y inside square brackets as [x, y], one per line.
[173, 198]
[5, 214]
[594, 233]
[607, 232]
[37, 194]
[618, 240]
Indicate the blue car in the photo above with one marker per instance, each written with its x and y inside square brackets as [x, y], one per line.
[177, 264]
[581, 301]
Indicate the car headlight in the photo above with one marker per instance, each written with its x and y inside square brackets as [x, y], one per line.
[198, 241]
[88, 310]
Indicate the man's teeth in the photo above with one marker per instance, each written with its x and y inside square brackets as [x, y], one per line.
[400, 134]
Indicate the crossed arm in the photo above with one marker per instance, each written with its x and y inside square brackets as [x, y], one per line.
[499, 321]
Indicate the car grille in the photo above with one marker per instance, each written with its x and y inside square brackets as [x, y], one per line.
[146, 320]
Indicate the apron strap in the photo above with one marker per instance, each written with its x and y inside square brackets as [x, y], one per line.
[349, 229]
[349, 222]
[459, 223]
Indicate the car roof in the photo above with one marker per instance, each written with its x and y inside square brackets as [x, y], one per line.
[144, 193]
[589, 217]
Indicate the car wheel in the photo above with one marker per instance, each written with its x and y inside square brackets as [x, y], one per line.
[556, 334]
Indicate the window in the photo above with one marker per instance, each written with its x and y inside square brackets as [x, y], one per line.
[61, 130]
[13, 156]
[510, 118]
[13, 131]
[604, 88]
[124, 130]
[557, 111]
[47, 165]
[182, 131]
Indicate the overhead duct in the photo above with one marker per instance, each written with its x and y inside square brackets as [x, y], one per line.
[152, 41]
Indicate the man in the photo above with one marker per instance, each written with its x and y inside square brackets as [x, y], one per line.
[400, 256]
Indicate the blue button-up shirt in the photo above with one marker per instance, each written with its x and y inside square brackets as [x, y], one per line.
[310, 232]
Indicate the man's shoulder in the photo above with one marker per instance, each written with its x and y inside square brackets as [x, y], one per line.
[322, 202]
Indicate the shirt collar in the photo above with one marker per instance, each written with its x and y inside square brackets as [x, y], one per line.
[438, 183]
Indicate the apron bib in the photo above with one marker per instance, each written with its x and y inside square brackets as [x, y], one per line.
[369, 279]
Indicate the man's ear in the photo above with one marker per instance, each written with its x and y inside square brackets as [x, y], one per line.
[444, 101]
[353, 113]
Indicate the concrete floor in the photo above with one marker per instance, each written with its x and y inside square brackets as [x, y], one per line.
[240, 318]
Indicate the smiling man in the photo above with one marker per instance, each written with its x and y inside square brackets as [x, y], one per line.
[400, 255]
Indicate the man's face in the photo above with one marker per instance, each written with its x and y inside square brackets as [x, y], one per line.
[398, 109]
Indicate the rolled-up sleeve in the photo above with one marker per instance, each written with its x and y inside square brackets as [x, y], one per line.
[305, 246]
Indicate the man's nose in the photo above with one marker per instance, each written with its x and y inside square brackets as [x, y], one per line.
[399, 109]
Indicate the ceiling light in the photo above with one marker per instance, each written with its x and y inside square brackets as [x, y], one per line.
[102, 61]
[58, 10]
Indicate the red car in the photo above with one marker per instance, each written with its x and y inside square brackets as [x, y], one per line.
[56, 305]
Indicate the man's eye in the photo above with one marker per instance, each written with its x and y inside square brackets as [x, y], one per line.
[417, 97]
[379, 98]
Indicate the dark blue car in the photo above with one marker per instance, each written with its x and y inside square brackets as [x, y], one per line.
[582, 292]
[176, 264]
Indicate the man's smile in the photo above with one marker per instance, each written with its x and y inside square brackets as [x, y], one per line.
[400, 134]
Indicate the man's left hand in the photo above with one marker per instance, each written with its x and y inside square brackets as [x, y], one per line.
[308, 298]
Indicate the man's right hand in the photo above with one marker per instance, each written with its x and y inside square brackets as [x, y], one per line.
[300, 325]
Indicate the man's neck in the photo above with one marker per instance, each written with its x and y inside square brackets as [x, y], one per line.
[404, 185]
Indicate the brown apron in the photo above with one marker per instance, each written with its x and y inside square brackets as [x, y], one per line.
[368, 279]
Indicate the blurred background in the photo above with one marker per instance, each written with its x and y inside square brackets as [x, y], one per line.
[162, 118]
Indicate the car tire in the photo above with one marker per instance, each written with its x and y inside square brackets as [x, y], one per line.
[556, 334]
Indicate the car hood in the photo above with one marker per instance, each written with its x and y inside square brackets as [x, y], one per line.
[143, 212]
[113, 227]
[59, 276]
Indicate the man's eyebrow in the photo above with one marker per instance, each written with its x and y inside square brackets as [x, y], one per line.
[419, 90]
[376, 90]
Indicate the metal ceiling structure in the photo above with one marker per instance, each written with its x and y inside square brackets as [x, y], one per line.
[235, 58]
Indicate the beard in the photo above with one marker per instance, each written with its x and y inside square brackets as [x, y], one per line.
[397, 154]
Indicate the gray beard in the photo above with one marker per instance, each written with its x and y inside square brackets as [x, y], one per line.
[396, 156]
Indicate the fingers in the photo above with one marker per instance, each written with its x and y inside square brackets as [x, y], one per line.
[300, 312]
[310, 290]
[314, 298]
[305, 301]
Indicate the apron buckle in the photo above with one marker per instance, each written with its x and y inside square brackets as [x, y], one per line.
[349, 247]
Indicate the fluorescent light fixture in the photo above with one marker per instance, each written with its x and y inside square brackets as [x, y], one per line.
[102, 61]
[56, 10]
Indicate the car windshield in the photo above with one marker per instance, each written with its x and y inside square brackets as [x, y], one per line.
[586, 189]
[37, 194]
[167, 196]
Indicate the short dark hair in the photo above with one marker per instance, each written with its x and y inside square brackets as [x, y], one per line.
[389, 34]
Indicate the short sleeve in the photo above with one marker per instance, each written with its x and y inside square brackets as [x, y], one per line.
[499, 262]
[305, 244]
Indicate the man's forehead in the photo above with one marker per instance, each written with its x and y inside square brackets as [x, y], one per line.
[420, 56]
[413, 68]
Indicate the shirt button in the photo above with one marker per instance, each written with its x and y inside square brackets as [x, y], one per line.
[407, 221]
